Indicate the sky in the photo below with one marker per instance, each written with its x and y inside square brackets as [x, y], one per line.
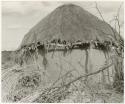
[18, 17]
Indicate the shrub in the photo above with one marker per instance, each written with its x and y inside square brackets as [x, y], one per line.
[30, 80]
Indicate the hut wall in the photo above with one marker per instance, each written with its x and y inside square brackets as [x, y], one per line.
[58, 64]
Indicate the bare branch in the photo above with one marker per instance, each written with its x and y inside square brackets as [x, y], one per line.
[117, 18]
[119, 27]
[114, 33]
[118, 11]
[99, 11]
[102, 69]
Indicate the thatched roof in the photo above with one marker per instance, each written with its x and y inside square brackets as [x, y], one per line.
[70, 23]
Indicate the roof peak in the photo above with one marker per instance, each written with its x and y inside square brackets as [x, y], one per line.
[69, 5]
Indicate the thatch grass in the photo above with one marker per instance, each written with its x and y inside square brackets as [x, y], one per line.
[70, 23]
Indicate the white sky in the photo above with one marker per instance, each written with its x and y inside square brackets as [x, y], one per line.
[18, 17]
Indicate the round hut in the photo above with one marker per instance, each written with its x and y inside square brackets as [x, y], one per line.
[73, 43]
[70, 38]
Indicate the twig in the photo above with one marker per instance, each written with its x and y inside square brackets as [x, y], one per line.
[114, 33]
[99, 11]
[119, 9]
[102, 69]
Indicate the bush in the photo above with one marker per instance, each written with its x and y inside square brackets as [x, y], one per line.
[119, 86]
[30, 80]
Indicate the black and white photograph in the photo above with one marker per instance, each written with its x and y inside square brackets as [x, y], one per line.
[62, 51]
